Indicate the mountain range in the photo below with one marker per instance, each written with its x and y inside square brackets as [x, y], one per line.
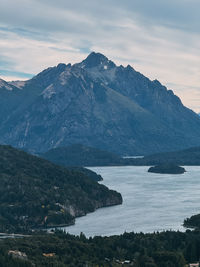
[79, 155]
[95, 103]
[186, 157]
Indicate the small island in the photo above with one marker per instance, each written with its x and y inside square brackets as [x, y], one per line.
[167, 169]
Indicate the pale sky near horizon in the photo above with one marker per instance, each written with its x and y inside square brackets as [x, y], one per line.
[159, 38]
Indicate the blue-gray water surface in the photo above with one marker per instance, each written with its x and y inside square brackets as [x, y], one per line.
[151, 202]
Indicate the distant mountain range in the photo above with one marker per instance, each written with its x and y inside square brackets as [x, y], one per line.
[95, 103]
[190, 156]
[79, 155]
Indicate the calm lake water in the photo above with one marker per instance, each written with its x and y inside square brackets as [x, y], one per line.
[151, 202]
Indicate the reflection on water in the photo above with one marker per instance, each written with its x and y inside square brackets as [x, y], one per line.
[151, 202]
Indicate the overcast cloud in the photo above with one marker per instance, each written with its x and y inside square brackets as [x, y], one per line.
[161, 39]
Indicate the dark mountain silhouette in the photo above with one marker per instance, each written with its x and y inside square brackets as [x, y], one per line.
[190, 156]
[79, 155]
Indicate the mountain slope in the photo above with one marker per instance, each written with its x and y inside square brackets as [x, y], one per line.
[150, 95]
[186, 157]
[99, 104]
[36, 193]
[79, 155]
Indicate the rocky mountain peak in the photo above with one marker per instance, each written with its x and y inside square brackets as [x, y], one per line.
[99, 104]
[62, 66]
[2, 82]
[97, 60]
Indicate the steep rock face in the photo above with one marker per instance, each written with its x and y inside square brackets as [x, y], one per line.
[98, 104]
[150, 95]
[9, 98]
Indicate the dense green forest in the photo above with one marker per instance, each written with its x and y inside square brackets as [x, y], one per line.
[36, 193]
[91, 174]
[165, 249]
[193, 221]
[80, 155]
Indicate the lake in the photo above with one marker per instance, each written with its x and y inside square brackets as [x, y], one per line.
[151, 202]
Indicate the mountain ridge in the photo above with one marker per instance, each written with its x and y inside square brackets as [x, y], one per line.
[99, 104]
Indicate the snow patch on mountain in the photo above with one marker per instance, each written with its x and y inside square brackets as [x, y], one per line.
[18, 84]
[4, 84]
[49, 92]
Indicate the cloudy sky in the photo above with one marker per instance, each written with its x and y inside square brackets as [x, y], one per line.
[160, 38]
